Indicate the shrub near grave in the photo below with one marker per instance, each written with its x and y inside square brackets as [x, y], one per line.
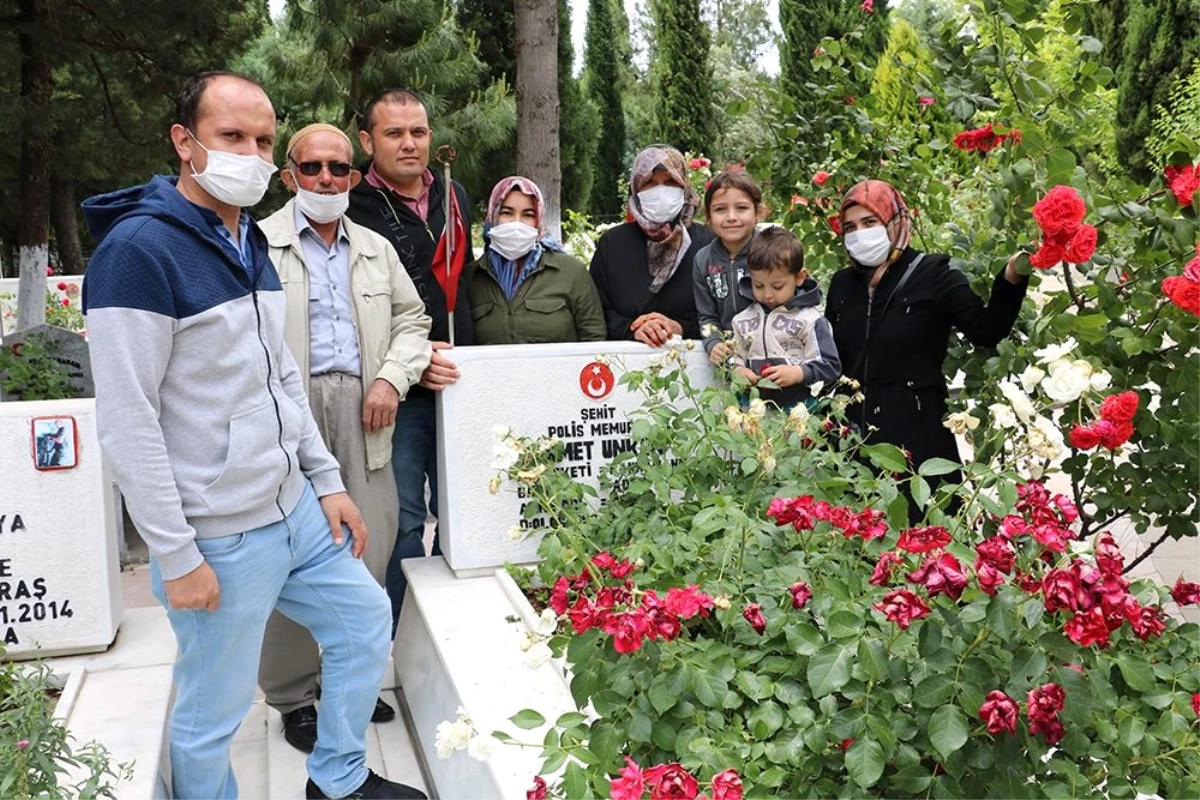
[751, 597]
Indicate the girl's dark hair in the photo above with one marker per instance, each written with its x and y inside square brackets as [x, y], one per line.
[733, 179]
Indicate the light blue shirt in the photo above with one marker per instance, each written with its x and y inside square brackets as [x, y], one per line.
[242, 245]
[333, 342]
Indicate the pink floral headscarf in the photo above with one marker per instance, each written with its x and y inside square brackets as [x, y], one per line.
[666, 242]
[525, 187]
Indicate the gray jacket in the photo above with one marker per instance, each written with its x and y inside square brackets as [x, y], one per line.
[715, 279]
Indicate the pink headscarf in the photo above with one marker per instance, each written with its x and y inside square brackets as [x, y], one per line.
[526, 187]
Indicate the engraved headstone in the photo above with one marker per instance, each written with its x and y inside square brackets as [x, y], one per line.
[560, 390]
[66, 347]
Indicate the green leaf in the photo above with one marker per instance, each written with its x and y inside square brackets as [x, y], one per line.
[843, 624]
[948, 730]
[887, 456]
[765, 720]
[934, 691]
[911, 780]
[1029, 662]
[553, 762]
[1000, 617]
[662, 697]
[570, 719]
[640, 727]
[920, 492]
[606, 740]
[864, 762]
[829, 669]
[1136, 672]
[527, 719]
[709, 687]
[575, 781]
[873, 659]
[1131, 730]
[938, 466]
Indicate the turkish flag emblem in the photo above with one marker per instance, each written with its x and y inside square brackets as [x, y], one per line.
[596, 381]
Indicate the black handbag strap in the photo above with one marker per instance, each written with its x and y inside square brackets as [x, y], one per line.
[908, 273]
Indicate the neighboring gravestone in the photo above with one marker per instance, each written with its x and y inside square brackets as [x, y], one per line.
[60, 584]
[557, 390]
[67, 348]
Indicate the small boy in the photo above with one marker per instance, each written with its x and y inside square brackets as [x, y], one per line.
[782, 336]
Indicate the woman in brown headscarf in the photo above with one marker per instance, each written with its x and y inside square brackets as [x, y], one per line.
[892, 312]
[642, 268]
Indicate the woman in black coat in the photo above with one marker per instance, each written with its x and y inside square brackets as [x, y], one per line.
[892, 312]
[643, 268]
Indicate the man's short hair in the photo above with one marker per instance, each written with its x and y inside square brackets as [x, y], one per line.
[401, 97]
[775, 248]
[187, 104]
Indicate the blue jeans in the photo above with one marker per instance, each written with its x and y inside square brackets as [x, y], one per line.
[414, 459]
[295, 566]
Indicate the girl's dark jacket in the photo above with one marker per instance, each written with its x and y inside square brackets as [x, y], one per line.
[901, 373]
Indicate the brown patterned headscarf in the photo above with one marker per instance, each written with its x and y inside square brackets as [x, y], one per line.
[884, 201]
[666, 242]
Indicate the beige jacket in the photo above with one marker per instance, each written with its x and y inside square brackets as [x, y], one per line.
[393, 330]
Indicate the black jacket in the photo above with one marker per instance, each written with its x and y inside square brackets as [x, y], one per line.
[621, 271]
[415, 242]
[901, 373]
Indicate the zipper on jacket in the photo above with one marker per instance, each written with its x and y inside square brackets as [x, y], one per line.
[274, 400]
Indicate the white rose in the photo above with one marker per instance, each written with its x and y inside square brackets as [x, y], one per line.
[528, 640]
[768, 464]
[501, 431]
[1055, 352]
[1045, 439]
[816, 387]
[504, 456]
[547, 623]
[1030, 378]
[1066, 383]
[1003, 415]
[1020, 402]
[1083, 366]
[1100, 380]
[537, 655]
[481, 748]
[452, 736]
[960, 422]
[799, 416]
[757, 408]
[516, 533]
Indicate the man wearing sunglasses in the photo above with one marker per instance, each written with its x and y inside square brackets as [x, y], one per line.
[358, 330]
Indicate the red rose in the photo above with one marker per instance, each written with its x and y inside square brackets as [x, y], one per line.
[1082, 246]
[848, 99]
[1053, 536]
[538, 792]
[1084, 437]
[1000, 712]
[1183, 182]
[1028, 582]
[753, 614]
[727, 785]
[699, 163]
[941, 575]
[798, 511]
[1062, 590]
[868, 6]
[1186, 593]
[583, 616]
[1118, 408]
[1065, 507]
[801, 594]
[1182, 292]
[1146, 621]
[821, 178]
[999, 551]
[1108, 556]
[1013, 526]
[836, 225]
[1061, 211]
[922, 540]
[845, 743]
[62, 286]
[902, 607]
[558, 596]
[988, 577]
[670, 782]
[627, 628]
[883, 570]
[869, 524]
[1196, 704]
[631, 784]
[926, 100]
[689, 602]
[1088, 627]
[1191, 271]
[1045, 701]
[1117, 435]
[1047, 256]
[1051, 729]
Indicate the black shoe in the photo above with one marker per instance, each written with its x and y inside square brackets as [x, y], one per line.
[300, 728]
[383, 712]
[373, 787]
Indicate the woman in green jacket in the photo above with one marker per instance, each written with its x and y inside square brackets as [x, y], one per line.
[525, 288]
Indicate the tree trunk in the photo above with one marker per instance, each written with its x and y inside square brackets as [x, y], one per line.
[66, 224]
[538, 156]
[33, 233]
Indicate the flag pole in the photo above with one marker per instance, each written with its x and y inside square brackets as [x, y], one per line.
[445, 156]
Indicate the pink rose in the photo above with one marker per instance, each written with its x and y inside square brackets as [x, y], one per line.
[753, 614]
[631, 784]
[727, 785]
[801, 594]
[538, 792]
[671, 782]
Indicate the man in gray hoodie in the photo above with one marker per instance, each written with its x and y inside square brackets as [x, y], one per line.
[201, 412]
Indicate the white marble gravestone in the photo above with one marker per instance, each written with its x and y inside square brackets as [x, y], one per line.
[59, 570]
[536, 390]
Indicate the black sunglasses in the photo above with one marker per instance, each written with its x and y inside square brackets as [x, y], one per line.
[338, 169]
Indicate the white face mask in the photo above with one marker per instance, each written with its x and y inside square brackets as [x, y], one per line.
[661, 203]
[321, 208]
[233, 179]
[513, 240]
[869, 246]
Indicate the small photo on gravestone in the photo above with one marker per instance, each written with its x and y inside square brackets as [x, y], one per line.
[55, 443]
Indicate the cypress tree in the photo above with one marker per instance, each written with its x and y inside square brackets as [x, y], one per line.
[602, 82]
[684, 112]
[578, 121]
[806, 22]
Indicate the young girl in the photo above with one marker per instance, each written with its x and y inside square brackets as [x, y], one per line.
[732, 206]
